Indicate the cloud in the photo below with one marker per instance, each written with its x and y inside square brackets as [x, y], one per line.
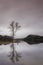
[29, 13]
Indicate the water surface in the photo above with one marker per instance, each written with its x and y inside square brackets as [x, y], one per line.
[31, 54]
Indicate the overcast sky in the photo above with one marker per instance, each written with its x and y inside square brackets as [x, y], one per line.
[29, 14]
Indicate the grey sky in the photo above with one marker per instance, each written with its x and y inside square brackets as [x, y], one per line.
[29, 14]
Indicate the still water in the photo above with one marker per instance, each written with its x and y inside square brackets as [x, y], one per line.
[30, 54]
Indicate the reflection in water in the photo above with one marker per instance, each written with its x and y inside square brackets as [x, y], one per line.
[14, 56]
[31, 54]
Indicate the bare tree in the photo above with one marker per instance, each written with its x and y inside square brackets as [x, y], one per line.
[14, 27]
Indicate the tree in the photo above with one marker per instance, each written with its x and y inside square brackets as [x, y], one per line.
[14, 26]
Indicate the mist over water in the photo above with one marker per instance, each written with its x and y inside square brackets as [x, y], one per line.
[30, 54]
[29, 14]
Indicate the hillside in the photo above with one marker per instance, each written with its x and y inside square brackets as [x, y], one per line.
[30, 39]
[34, 39]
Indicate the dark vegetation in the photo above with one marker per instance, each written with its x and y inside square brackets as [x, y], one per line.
[34, 39]
[31, 39]
[5, 39]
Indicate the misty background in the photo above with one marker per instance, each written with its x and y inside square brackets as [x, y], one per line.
[29, 15]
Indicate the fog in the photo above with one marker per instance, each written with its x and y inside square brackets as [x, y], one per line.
[28, 13]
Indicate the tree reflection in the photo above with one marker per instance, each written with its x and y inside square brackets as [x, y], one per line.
[14, 55]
